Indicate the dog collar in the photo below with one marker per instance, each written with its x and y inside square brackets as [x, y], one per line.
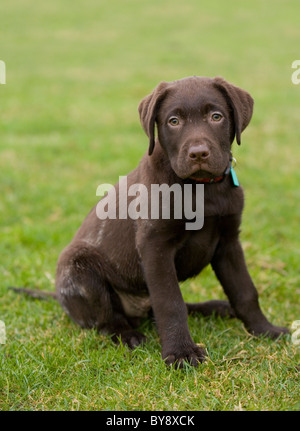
[209, 180]
[229, 170]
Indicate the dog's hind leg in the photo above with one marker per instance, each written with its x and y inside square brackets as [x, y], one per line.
[84, 290]
[217, 307]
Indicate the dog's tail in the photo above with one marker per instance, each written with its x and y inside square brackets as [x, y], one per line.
[34, 293]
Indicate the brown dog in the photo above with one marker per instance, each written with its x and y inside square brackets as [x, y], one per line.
[117, 269]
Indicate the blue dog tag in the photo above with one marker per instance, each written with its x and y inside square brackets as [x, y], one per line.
[234, 177]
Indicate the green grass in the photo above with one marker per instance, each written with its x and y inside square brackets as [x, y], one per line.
[75, 75]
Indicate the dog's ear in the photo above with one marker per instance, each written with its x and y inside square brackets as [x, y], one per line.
[241, 104]
[148, 109]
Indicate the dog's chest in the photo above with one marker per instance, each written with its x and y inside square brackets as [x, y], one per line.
[196, 253]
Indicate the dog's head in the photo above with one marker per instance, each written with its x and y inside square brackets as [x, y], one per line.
[197, 120]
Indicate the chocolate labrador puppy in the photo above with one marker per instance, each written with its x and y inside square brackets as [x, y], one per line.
[117, 269]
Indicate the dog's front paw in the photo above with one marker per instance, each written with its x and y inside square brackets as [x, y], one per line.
[177, 355]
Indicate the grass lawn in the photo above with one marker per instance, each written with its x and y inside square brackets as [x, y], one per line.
[75, 74]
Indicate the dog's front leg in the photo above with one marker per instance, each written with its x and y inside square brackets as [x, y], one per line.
[169, 309]
[230, 268]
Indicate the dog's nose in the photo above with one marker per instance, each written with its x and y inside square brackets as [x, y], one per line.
[199, 152]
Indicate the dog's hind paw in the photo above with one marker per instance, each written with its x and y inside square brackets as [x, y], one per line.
[268, 330]
[131, 338]
[208, 308]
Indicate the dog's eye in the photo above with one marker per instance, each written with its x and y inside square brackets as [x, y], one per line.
[173, 121]
[216, 116]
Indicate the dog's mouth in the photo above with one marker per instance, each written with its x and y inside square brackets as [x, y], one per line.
[203, 176]
[207, 172]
